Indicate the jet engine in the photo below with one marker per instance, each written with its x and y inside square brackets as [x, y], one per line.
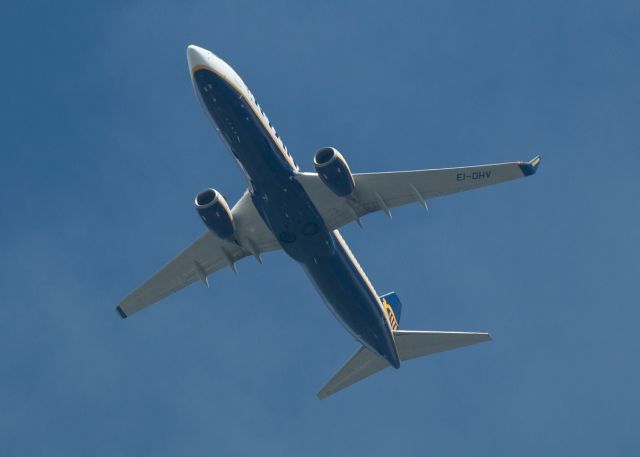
[215, 213]
[334, 171]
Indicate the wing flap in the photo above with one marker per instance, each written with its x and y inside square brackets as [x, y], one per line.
[205, 253]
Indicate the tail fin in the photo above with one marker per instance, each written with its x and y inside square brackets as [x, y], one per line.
[393, 308]
[411, 344]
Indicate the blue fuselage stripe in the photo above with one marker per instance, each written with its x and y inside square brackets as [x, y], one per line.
[291, 215]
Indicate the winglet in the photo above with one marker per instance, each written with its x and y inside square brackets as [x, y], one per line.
[529, 168]
[121, 312]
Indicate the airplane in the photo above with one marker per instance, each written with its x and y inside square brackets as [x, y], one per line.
[300, 213]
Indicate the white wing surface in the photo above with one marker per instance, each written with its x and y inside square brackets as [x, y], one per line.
[206, 255]
[383, 191]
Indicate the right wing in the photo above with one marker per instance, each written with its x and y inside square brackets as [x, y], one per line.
[206, 255]
[382, 191]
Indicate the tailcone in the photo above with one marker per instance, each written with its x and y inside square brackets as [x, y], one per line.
[394, 361]
[391, 353]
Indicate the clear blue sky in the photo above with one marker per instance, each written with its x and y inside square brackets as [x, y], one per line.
[104, 146]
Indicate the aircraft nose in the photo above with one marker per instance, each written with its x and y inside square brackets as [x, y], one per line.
[196, 56]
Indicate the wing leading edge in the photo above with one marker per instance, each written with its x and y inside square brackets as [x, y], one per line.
[383, 191]
[203, 257]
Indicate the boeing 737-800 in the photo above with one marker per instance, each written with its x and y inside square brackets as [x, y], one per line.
[284, 208]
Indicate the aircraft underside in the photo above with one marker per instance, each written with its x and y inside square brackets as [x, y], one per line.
[292, 217]
[301, 213]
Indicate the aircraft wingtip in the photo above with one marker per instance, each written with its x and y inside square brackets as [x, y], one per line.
[323, 394]
[121, 312]
[529, 168]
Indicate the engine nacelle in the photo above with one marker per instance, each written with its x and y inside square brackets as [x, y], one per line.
[215, 213]
[334, 171]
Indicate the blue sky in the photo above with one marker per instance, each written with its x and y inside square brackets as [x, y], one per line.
[104, 146]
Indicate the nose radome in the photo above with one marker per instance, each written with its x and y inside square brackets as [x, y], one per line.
[200, 57]
[196, 56]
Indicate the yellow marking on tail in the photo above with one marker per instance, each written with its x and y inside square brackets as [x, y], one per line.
[392, 316]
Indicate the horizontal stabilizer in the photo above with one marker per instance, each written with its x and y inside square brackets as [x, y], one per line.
[410, 344]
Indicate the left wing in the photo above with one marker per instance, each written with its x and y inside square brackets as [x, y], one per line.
[383, 191]
[204, 256]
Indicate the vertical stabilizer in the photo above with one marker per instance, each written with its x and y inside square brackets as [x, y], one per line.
[393, 308]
